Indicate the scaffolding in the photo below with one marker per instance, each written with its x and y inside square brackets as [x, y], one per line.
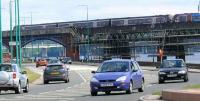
[130, 41]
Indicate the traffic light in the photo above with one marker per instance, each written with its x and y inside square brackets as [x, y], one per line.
[161, 52]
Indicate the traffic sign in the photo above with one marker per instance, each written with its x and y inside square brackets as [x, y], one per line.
[13, 43]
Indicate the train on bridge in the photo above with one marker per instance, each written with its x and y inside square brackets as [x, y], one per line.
[124, 37]
[157, 19]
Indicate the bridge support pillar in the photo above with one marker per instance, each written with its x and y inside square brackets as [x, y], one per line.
[73, 52]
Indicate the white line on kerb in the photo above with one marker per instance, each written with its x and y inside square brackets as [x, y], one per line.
[82, 77]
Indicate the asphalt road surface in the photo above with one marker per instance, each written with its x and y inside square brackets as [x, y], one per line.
[78, 88]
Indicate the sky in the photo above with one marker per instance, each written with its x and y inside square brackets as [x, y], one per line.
[48, 11]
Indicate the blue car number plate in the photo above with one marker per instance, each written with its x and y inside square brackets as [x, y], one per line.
[107, 85]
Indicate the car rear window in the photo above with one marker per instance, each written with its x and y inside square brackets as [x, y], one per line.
[54, 61]
[115, 66]
[55, 67]
[7, 68]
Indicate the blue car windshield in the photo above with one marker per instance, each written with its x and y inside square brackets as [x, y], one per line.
[115, 66]
[173, 64]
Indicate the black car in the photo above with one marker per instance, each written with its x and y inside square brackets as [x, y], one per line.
[67, 60]
[175, 69]
[56, 72]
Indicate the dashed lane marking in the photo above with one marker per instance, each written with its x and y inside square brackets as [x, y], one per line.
[81, 76]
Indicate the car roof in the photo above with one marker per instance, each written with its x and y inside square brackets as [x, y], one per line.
[6, 64]
[55, 64]
[172, 59]
[119, 60]
[53, 59]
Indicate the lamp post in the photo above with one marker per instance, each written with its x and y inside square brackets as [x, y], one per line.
[1, 45]
[88, 51]
[11, 26]
[199, 7]
[18, 33]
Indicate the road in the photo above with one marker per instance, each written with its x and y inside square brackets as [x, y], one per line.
[78, 88]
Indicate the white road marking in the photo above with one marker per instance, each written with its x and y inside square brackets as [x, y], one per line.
[81, 76]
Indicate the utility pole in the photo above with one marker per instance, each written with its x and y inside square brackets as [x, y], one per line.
[19, 35]
[31, 35]
[11, 33]
[16, 35]
[1, 45]
[88, 42]
[199, 7]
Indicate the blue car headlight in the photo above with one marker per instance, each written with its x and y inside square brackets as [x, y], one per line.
[94, 80]
[122, 79]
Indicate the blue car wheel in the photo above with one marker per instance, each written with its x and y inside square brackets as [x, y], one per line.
[142, 87]
[130, 90]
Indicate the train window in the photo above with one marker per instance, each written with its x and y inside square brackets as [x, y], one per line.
[118, 23]
[102, 23]
[84, 25]
[64, 25]
[132, 22]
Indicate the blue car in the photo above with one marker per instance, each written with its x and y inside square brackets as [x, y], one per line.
[117, 75]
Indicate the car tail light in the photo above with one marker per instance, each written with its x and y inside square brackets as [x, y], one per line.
[14, 75]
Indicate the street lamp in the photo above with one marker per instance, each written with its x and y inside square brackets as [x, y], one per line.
[1, 45]
[18, 34]
[88, 52]
[199, 7]
[86, 9]
[11, 26]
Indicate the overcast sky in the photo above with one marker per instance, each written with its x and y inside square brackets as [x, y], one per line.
[47, 11]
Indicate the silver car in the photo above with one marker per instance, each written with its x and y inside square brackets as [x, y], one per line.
[12, 78]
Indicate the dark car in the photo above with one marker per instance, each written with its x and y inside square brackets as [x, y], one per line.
[56, 72]
[175, 69]
[67, 60]
[117, 75]
[54, 61]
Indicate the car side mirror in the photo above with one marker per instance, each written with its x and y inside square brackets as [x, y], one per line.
[24, 72]
[93, 72]
[134, 70]
[188, 66]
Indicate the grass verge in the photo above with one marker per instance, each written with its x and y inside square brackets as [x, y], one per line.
[32, 76]
[157, 93]
[197, 86]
